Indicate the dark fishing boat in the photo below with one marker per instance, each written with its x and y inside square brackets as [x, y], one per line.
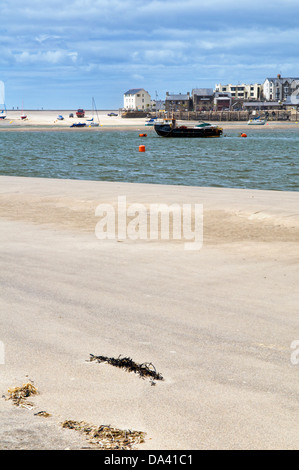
[169, 128]
[78, 124]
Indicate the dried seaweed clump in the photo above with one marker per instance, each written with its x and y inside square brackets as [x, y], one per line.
[19, 395]
[44, 414]
[147, 369]
[107, 437]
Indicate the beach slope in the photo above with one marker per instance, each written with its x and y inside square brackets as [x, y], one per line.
[217, 323]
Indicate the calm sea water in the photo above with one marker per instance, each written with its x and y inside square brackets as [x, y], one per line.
[266, 159]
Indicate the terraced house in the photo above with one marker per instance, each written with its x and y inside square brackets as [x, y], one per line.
[178, 102]
[279, 88]
[203, 99]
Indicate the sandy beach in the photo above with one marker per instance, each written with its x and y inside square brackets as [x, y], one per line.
[47, 120]
[217, 323]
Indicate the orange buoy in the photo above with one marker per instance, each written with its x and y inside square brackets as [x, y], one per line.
[243, 135]
[142, 135]
[141, 148]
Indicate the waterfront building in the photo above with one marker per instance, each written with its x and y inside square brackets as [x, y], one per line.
[178, 102]
[137, 99]
[203, 99]
[279, 88]
[222, 101]
[244, 91]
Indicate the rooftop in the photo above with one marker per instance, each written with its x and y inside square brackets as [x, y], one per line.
[178, 97]
[133, 91]
[203, 91]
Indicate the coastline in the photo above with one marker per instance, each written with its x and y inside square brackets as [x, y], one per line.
[217, 323]
[47, 120]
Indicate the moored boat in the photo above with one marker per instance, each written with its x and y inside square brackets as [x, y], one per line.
[92, 122]
[150, 122]
[2, 101]
[169, 128]
[78, 124]
[256, 122]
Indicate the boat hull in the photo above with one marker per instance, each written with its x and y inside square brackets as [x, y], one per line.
[193, 132]
[256, 123]
[79, 124]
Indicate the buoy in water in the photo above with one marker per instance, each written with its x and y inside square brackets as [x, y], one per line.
[243, 135]
[141, 148]
[142, 135]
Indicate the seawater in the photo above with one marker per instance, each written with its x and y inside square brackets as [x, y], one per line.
[266, 159]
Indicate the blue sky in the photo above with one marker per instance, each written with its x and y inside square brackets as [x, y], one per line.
[59, 54]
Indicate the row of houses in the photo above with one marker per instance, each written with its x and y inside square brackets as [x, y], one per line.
[274, 92]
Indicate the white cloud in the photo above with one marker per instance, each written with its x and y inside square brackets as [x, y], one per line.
[51, 57]
[162, 43]
[46, 37]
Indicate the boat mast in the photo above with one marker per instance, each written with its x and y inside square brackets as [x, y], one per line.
[95, 108]
[2, 96]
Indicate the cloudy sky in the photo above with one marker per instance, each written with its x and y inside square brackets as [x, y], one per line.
[59, 54]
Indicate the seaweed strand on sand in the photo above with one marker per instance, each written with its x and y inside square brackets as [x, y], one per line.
[146, 369]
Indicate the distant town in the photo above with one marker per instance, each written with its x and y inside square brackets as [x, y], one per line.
[274, 95]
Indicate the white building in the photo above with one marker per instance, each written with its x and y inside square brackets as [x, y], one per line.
[244, 91]
[137, 99]
[279, 89]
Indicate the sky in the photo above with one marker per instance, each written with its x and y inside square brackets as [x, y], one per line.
[61, 54]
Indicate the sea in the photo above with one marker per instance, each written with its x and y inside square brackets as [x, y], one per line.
[266, 159]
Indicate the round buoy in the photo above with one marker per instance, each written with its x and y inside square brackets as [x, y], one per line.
[142, 135]
[141, 148]
[243, 135]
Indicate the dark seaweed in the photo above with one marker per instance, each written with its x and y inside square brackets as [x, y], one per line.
[146, 369]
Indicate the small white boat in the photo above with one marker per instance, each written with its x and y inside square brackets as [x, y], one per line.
[151, 121]
[23, 115]
[2, 101]
[92, 122]
[256, 122]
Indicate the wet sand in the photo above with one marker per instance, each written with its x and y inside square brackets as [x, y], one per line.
[216, 323]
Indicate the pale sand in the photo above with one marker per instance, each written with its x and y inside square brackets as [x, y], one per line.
[47, 120]
[217, 323]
